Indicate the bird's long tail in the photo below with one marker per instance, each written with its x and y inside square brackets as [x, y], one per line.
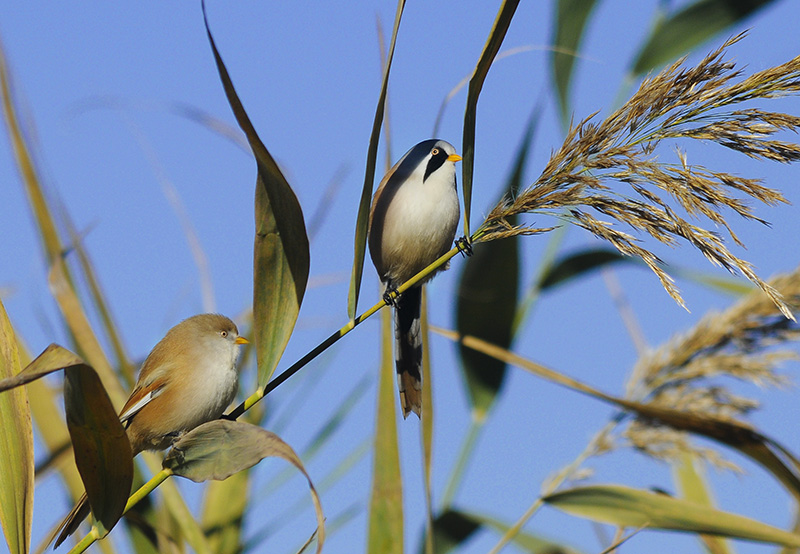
[73, 520]
[408, 350]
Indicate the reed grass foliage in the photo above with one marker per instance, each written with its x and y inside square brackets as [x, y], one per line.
[608, 177]
[582, 181]
[747, 342]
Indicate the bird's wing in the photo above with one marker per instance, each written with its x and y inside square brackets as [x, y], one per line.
[153, 376]
[141, 397]
[377, 214]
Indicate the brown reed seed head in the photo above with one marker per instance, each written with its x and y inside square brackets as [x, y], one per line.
[678, 103]
[685, 373]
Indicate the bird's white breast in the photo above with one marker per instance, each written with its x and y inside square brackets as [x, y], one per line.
[217, 382]
[420, 223]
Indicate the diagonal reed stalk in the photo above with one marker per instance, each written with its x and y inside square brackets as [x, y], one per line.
[678, 103]
[682, 375]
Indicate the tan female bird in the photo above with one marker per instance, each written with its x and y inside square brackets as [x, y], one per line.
[188, 378]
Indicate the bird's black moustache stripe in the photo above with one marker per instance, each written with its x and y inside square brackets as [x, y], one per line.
[435, 163]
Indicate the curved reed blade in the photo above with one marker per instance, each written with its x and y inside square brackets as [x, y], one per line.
[578, 264]
[16, 436]
[569, 25]
[220, 448]
[687, 28]
[52, 358]
[102, 450]
[488, 294]
[362, 220]
[385, 535]
[628, 507]
[493, 43]
[281, 252]
[465, 81]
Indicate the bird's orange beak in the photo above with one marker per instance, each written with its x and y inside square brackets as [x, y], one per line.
[241, 340]
[454, 158]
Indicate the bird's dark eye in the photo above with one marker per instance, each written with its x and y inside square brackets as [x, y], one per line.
[435, 152]
[223, 334]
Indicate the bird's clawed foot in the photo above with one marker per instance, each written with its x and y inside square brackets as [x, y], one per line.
[390, 296]
[464, 246]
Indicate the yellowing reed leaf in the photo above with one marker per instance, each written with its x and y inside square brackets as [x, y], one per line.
[16, 444]
[102, 450]
[385, 534]
[218, 449]
[281, 253]
[627, 507]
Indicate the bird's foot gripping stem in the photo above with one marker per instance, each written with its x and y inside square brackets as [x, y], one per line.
[390, 296]
[464, 246]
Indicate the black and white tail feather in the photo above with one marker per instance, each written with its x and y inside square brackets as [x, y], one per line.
[408, 350]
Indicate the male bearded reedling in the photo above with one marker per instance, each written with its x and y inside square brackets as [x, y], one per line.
[413, 222]
[188, 378]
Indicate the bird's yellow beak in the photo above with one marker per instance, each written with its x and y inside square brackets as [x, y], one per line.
[454, 158]
[241, 340]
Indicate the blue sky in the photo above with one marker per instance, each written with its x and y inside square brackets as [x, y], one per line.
[104, 86]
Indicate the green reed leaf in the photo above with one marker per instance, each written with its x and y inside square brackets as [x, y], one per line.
[490, 49]
[385, 534]
[627, 507]
[16, 443]
[281, 252]
[362, 220]
[691, 26]
[569, 25]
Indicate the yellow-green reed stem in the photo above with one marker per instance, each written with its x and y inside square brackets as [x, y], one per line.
[87, 541]
[144, 490]
[253, 399]
[327, 343]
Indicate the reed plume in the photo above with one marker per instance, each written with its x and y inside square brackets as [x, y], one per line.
[686, 373]
[660, 198]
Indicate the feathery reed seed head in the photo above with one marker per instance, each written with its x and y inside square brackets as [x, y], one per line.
[677, 103]
[685, 373]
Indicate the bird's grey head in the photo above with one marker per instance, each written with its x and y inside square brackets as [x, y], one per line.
[427, 156]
